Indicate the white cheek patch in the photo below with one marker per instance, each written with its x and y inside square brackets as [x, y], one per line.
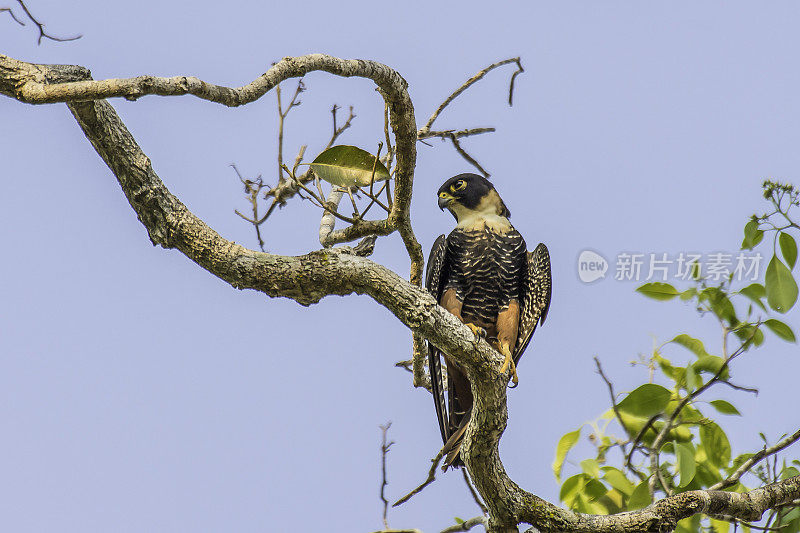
[486, 214]
[477, 221]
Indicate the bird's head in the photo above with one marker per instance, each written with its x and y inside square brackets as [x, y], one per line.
[469, 195]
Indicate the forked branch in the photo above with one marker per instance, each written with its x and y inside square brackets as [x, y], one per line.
[39, 25]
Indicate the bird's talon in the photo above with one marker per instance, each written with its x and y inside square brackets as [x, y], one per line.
[509, 361]
[479, 332]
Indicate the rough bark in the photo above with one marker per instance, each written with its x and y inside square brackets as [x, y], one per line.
[309, 278]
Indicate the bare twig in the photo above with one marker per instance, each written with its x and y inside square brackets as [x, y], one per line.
[13, 16]
[375, 199]
[739, 387]
[384, 452]
[611, 394]
[431, 478]
[636, 441]
[387, 137]
[252, 188]
[446, 134]
[406, 365]
[639, 437]
[318, 201]
[371, 194]
[339, 131]
[466, 525]
[467, 84]
[40, 26]
[425, 132]
[759, 528]
[517, 72]
[472, 491]
[466, 156]
[398, 531]
[294, 102]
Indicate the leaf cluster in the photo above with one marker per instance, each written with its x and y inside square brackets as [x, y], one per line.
[670, 437]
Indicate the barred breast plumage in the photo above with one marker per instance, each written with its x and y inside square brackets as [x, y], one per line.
[486, 270]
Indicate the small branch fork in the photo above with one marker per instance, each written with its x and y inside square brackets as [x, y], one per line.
[430, 479]
[287, 188]
[425, 132]
[308, 278]
[39, 25]
[755, 459]
[252, 188]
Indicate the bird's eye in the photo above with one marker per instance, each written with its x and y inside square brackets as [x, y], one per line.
[460, 185]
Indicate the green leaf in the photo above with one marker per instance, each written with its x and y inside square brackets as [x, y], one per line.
[684, 454]
[716, 445]
[581, 505]
[617, 479]
[780, 329]
[725, 408]
[789, 471]
[780, 285]
[752, 235]
[640, 497]
[750, 333]
[711, 365]
[720, 304]
[690, 343]
[739, 461]
[667, 368]
[755, 292]
[591, 467]
[645, 401]
[788, 248]
[594, 489]
[689, 525]
[348, 166]
[571, 488]
[720, 526]
[692, 379]
[688, 294]
[658, 290]
[792, 515]
[565, 444]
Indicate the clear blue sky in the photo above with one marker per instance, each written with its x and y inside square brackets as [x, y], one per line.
[138, 393]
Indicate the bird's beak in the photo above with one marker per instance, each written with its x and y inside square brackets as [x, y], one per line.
[444, 201]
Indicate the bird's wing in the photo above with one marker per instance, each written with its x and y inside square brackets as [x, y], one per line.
[435, 277]
[536, 297]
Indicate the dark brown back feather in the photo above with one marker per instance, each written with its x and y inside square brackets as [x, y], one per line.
[538, 288]
[435, 275]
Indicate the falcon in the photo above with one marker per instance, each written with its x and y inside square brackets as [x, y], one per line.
[483, 274]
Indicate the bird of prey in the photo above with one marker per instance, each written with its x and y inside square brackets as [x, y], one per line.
[484, 275]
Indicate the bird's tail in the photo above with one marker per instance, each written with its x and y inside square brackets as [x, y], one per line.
[452, 448]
